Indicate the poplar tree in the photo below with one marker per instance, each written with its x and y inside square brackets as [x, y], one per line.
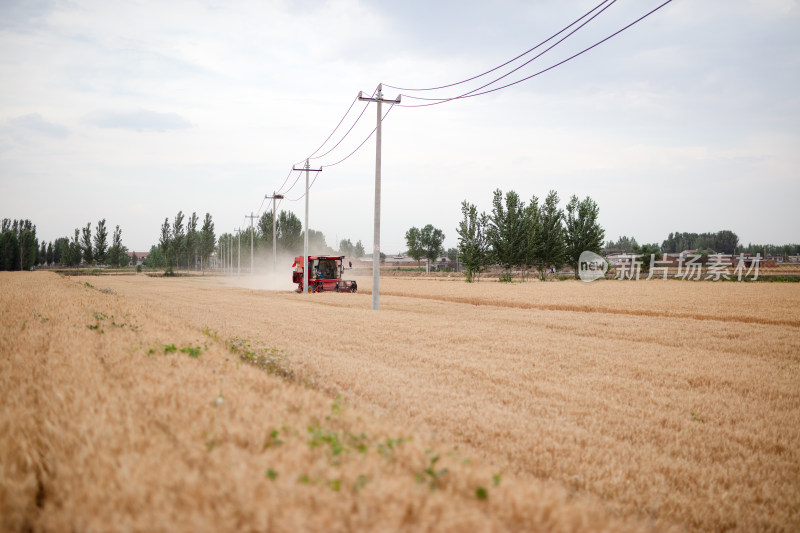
[165, 243]
[550, 248]
[583, 232]
[473, 245]
[86, 244]
[178, 237]
[101, 242]
[191, 239]
[207, 240]
[414, 244]
[507, 230]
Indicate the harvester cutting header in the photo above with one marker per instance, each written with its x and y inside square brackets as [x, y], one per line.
[325, 274]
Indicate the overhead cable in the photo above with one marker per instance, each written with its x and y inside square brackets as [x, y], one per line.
[507, 62]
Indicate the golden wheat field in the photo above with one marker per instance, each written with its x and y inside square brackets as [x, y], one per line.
[132, 403]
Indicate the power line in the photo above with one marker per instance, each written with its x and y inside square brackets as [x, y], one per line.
[602, 6]
[345, 135]
[364, 141]
[345, 158]
[258, 212]
[507, 62]
[334, 130]
[471, 94]
[313, 154]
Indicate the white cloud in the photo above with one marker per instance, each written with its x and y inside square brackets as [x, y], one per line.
[139, 120]
[695, 106]
[36, 124]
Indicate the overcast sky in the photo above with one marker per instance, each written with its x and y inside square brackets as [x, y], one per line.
[131, 111]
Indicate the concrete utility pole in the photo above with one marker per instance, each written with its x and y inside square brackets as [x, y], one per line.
[376, 247]
[230, 252]
[239, 260]
[274, 232]
[251, 217]
[305, 241]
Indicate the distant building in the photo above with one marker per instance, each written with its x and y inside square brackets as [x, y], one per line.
[139, 256]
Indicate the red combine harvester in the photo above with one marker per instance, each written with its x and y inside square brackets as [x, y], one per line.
[325, 274]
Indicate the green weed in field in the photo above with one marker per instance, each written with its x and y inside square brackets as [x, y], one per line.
[430, 474]
[193, 352]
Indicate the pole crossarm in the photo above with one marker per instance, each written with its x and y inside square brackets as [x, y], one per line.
[379, 99]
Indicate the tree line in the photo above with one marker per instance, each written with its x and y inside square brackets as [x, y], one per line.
[19, 247]
[724, 241]
[21, 250]
[525, 236]
[425, 242]
[185, 243]
[290, 237]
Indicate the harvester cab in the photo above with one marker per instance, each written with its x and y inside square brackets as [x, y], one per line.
[325, 274]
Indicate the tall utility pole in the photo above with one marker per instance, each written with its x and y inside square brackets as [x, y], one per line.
[230, 252]
[376, 247]
[274, 232]
[305, 240]
[251, 217]
[239, 260]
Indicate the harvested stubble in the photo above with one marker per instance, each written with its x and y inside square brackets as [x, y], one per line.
[674, 402]
[670, 403]
[121, 414]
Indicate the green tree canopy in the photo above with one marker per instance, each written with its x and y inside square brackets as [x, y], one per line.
[178, 238]
[75, 249]
[86, 244]
[207, 239]
[191, 247]
[101, 242]
[623, 243]
[117, 254]
[9, 251]
[346, 247]
[550, 248]
[290, 231]
[165, 243]
[264, 226]
[473, 245]
[414, 244]
[583, 232]
[431, 240]
[507, 230]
